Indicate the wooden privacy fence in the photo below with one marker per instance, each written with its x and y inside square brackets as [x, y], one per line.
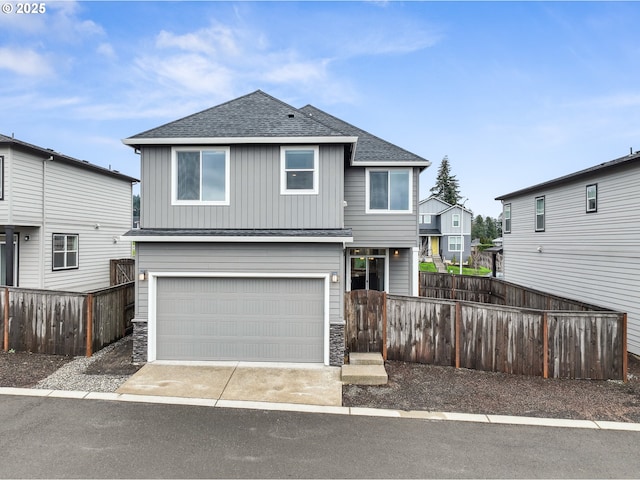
[557, 344]
[121, 270]
[65, 323]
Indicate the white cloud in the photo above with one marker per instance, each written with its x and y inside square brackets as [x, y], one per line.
[24, 62]
[107, 51]
[215, 40]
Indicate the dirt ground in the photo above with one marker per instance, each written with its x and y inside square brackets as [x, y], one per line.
[414, 387]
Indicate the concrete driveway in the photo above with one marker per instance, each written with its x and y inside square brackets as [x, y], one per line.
[275, 383]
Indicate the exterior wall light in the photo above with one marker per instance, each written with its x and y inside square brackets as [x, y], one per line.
[334, 277]
[142, 275]
[395, 252]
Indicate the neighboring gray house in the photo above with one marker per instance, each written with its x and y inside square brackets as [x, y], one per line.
[61, 219]
[578, 236]
[442, 233]
[255, 218]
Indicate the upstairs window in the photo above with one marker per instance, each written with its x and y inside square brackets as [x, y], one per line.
[592, 198]
[65, 251]
[388, 191]
[539, 214]
[425, 218]
[455, 220]
[200, 176]
[299, 170]
[506, 217]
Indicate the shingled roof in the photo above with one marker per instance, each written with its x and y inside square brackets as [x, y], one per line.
[254, 115]
[370, 149]
[47, 153]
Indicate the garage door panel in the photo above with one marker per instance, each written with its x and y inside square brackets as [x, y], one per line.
[247, 319]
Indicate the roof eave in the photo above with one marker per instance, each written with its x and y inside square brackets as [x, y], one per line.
[136, 142]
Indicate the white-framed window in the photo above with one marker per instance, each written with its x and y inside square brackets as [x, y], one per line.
[200, 175]
[540, 214]
[455, 220]
[425, 218]
[1, 177]
[65, 251]
[506, 217]
[388, 190]
[455, 243]
[592, 198]
[299, 170]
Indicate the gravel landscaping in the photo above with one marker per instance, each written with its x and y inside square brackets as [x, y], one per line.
[410, 387]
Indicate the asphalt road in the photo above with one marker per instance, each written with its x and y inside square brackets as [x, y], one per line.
[53, 438]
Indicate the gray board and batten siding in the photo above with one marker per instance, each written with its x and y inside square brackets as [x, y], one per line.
[378, 230]
[255, 199]
[591, 257]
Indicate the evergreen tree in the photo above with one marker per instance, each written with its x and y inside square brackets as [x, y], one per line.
[446, 187]
[478, 229]
[491, 229]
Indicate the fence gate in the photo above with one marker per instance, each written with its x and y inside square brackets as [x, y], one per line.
[365, 312]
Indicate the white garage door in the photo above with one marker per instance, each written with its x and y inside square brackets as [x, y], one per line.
[246, 319]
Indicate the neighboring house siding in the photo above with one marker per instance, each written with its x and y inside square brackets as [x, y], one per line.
[255, 199]
[242, 257]
[592, 257]
[76, 201]
[30, 257]
[24, 185]
[378, 230]
[399, 272]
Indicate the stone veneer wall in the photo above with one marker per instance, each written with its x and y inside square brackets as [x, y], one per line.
[140, 339]
[336, 344]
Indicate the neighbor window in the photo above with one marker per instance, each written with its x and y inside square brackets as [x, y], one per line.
[539, 214]
[298, 170]
[65, 251]
[592, 198]
[454, 243]
[388, 190]
[201, 176]
[506, 217]
[455, 220]
[1, 177]
[425, 218]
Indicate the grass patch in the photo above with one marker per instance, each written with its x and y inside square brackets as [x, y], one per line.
[455, 269]
[428, 267]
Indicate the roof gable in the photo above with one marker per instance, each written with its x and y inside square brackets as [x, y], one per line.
[254, 115]
[370, 149]
[438, 204]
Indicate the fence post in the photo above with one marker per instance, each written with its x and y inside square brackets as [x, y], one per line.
[89, 350]
[545, 345]
[384, 326]
[6, 319]
[457, 332]
[625, 359]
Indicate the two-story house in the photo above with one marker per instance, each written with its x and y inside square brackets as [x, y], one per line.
[578, 236]
[61, 219]
[255, 218]
[445, 229]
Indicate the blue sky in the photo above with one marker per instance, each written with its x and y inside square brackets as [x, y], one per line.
[514, 93]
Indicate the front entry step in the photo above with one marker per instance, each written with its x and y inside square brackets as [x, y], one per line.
[364, 369]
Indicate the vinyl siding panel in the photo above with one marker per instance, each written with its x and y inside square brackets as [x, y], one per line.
[399, 272]
[76, 201]
[255, 199]
[247, 258]
[29, 258]
[26, 189]
[378, 230]
[592, 257]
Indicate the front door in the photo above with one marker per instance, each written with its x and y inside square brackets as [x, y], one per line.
[435, 245]
[368, 268]
[3, 249]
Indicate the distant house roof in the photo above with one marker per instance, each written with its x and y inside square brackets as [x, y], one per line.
[370, 150]
[261, 118]
[628, 160]
[47, 153]
[445, 205]
[253, 116]
[430, 231]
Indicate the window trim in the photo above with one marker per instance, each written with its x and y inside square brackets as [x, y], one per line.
[459, 243]
[506, 227]
[174, 175]
[543, 215]
[53, 251]
[455, 216]
[283, 171]
[387, 211]
[595, 198]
